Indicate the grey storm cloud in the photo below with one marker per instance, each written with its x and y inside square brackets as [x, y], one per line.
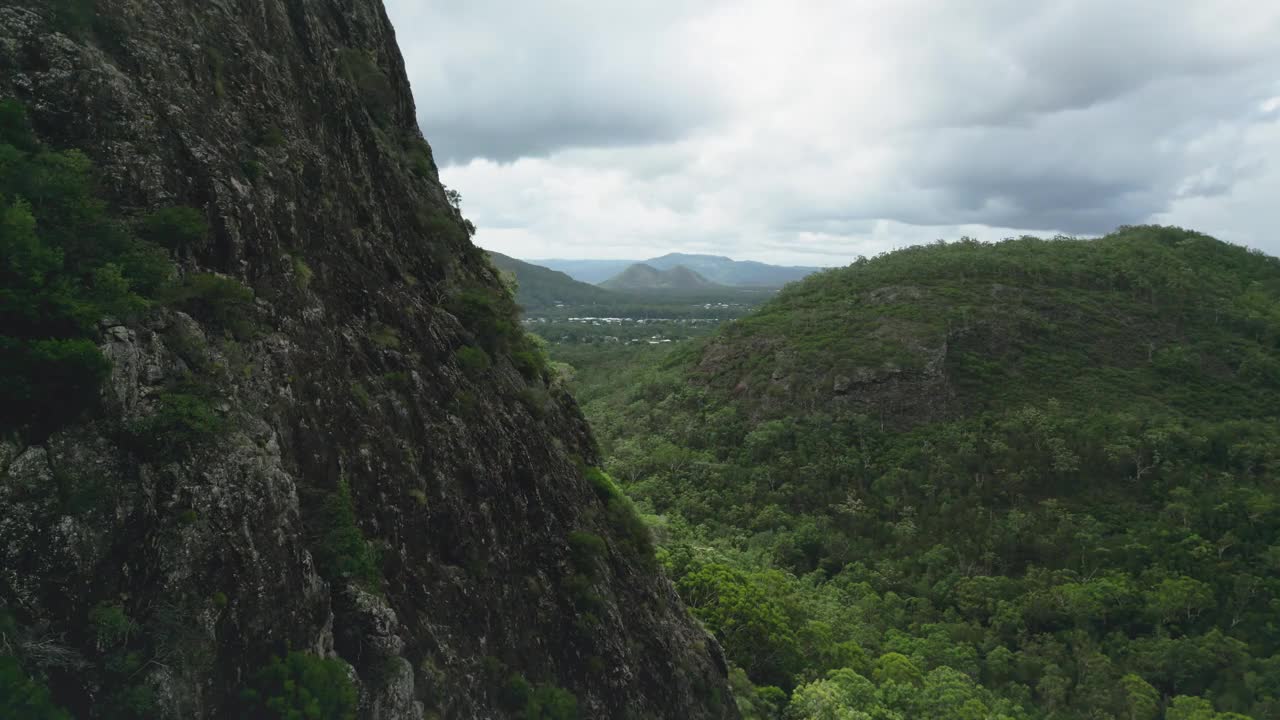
[502, 80]
[540, 132]
[841, 127]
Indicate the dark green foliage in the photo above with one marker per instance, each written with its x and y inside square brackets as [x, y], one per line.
[585, 595]
[129, 701]
[399, 380]
[362, 396]
[1088, 531]
[182, 421]
[472, 360]
[444, 228]
[535, 400]
[300, 687]
[110, 625]
[530, 357]
[551, 703]
[216, 64]
[252, 169]
[64, 264]
[514, 693]
[359, 68]
[120, 644]
[342, 552]
[465, 404]
[418, 155]
[73, 17]
[489, 314]
[177, 228]
[51, 381]
[15, 130]
[756, 703]
[632, 534]
[530, 361]
[23, 697]
[189, 346]
[543, 702]
[147, 268]
[302, 273]
[385, 336]
[269, 137]
[216, 299]
[587, 551]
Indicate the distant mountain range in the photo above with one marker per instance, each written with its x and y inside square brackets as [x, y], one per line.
[587, 271]
[643, 277]
[633, 285]
[717, 269]
[739, 273]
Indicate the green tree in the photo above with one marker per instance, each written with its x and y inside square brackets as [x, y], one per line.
[177, 228]
[1141, 701]
[1179, 598]
[300, 687]
[22, 697]
[1190, 708]
[343, 553]
[749, 623]
[897, 668]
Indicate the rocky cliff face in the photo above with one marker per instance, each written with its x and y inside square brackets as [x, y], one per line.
[290, 125]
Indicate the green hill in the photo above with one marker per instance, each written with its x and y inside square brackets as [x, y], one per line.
[645, 278]
[1031, 479]
[539, 287]
[1150, 318]
[736, 273]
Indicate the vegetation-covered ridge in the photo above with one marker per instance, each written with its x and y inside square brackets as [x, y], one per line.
[539, 287]
[1162, 317]
[1029, 479]
[646, 278]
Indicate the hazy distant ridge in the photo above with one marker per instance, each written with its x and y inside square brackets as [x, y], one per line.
[719, 270]
[727, 271]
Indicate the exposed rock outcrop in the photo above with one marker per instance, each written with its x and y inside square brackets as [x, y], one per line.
[290, 125]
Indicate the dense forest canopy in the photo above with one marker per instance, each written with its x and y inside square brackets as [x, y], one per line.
[1030, 479]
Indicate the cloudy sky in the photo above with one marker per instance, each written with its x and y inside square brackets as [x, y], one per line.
[812, 131]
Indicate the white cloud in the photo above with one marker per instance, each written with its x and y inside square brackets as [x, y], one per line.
[813, 132]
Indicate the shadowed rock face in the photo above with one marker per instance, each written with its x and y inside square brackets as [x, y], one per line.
[289, 123]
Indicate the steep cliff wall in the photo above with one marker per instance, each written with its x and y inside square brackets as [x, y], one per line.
[288, 124]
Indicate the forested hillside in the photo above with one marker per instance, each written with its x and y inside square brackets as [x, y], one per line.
[538, 288]
[1031, 479]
